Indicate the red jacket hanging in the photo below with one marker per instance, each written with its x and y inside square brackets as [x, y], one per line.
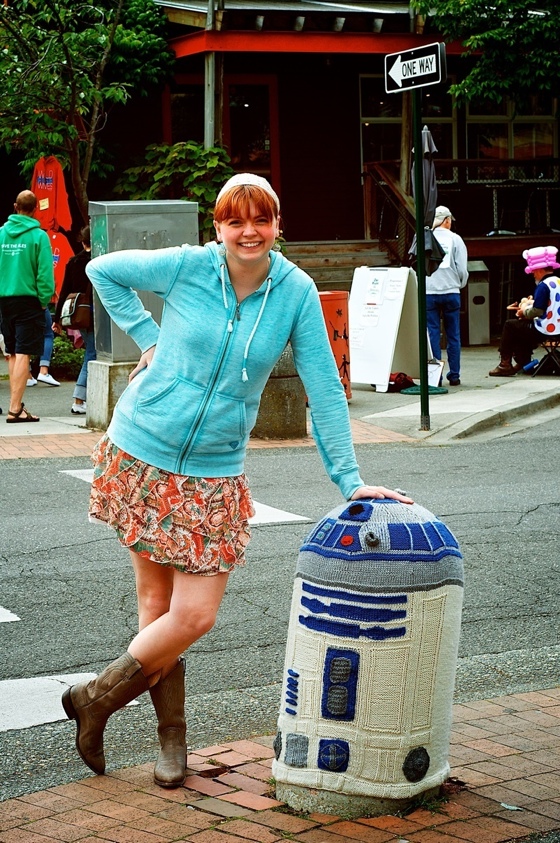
[62, 252]
[53, 210]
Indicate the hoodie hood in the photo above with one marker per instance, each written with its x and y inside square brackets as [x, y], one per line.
[278, 270]
[18, 224]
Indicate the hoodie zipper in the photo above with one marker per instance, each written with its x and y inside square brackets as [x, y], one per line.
[234, 314]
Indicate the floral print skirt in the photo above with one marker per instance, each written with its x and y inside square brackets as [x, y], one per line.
[195, 524]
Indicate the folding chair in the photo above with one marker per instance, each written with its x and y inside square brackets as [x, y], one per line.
[551, 358]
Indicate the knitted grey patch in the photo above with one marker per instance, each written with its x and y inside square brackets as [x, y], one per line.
[340, 670]
[277, 745]
[297, 749]
[337, 700]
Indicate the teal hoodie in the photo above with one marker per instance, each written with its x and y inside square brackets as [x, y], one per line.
[26, 262]
[191, 411]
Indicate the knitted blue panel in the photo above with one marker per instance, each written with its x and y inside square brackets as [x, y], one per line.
[333, 755]
[348, 595]
[357, 511]
[351, 630]
[355, 613]
[340, 680]
[292, 691]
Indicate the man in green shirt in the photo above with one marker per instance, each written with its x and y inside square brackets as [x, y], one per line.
[26, 288]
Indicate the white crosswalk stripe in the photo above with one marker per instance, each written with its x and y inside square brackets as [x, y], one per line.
[6, 616]
[32, 702]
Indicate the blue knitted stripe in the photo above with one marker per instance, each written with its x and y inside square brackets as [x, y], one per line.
[336, 594]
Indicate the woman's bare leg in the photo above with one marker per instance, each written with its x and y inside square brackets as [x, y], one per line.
[154, 587]
[194, 604]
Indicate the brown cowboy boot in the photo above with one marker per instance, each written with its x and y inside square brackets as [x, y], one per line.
[90, 704]
[168, 697]
[504, 369]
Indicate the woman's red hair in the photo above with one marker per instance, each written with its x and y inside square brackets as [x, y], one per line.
[235, 203]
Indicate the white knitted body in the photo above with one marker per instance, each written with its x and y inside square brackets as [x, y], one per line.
[370, 669]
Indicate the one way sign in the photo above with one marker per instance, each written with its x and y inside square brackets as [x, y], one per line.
[415, 68]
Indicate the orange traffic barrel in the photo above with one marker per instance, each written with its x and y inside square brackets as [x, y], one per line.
[334, 304]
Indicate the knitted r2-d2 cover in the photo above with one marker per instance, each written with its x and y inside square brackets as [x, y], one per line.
[371, 653]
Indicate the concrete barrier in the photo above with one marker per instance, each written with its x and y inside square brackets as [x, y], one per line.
[282, 412]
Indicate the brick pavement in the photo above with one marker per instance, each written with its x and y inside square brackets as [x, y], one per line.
[31, 446]
[505, 785]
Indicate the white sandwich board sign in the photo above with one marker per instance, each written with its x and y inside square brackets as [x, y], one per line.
[383, 316]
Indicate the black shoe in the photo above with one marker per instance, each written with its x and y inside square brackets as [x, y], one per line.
[454, 382]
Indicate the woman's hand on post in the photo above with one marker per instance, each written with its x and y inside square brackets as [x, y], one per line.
[143, 363]
[380, 492]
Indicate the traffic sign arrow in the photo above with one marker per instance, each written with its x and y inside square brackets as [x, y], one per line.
[415, 68]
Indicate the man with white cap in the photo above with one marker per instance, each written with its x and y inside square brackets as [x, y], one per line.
[537, 317]
[443, 293]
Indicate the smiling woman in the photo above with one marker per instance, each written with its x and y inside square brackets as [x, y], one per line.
[169, 474]
[247, 222]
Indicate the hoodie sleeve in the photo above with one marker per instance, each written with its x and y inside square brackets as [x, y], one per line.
[118, 275]
[45, 271]
[330, 419]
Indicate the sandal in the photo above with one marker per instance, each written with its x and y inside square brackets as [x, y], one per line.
[17, 418]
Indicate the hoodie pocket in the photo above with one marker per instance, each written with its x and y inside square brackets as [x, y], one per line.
[170, 412]
[224, 428]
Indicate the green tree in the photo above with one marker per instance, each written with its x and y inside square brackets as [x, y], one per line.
[64, 64]
[511, 45]
[181, 171]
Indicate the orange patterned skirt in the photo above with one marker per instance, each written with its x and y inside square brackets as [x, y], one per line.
[195, 524]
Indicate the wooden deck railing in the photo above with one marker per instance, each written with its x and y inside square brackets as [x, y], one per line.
[487, 197]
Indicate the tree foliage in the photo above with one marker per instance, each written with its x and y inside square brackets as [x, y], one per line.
[180, 171]
[64, 64]
[512, 44]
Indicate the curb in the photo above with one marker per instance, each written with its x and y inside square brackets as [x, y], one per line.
[491, 419]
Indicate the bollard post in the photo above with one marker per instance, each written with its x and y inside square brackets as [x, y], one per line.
[365, 717]
[282, 411]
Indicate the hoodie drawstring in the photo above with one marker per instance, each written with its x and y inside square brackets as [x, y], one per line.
[224, 295]
[244, 375]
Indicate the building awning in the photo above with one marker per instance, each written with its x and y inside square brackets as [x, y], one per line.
[208, 41]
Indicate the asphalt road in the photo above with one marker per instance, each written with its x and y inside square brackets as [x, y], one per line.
[72, 587]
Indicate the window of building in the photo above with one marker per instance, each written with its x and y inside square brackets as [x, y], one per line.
[381, 122]
[526, 138]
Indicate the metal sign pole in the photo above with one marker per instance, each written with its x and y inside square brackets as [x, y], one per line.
[421, 258]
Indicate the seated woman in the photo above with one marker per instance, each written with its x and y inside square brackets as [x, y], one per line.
[537, 317]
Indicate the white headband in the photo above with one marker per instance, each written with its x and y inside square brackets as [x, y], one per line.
[249, 178]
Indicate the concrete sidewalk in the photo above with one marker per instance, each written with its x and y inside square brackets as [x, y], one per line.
[504, 785]
[480, 406]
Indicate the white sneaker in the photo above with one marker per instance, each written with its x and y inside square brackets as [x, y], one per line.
[78, 409]
[47, 379]
[31, 381]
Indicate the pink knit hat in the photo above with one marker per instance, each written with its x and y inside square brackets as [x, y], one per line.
[541, 257]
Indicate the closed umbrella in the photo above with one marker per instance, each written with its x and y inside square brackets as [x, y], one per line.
[433, 250]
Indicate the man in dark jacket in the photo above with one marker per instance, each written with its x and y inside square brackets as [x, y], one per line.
[26, 287]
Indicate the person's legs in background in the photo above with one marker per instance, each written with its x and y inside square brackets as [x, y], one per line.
[80, 390]
[451, 310]
[519, 338]
[433, 311]
[44, 376]
[22, 325]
